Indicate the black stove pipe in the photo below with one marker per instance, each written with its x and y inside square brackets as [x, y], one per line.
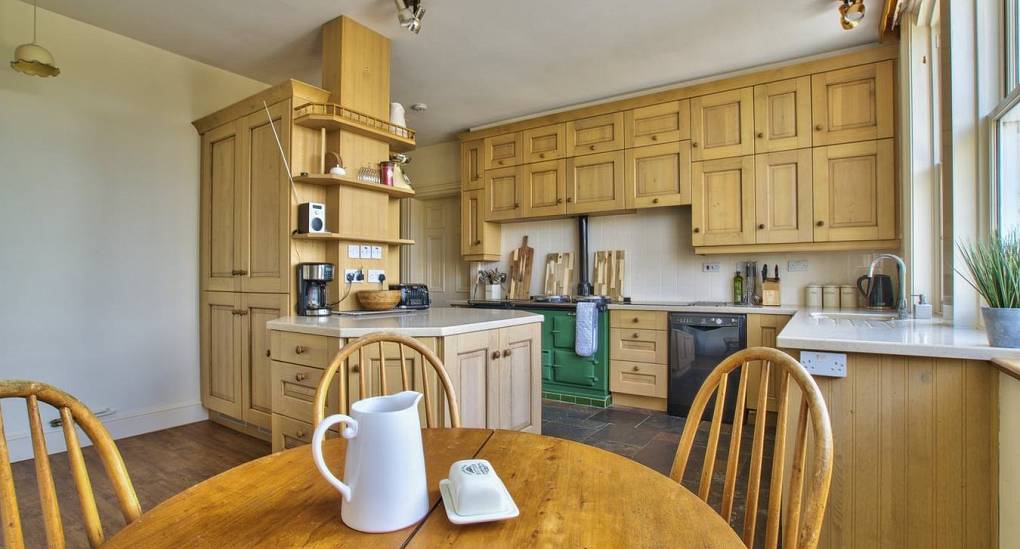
[584, 287]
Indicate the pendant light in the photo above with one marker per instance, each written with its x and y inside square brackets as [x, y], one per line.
[32, 58]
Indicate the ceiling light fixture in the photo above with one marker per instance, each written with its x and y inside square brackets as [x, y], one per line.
[32, 58]
[851, 13]
[410, 14]
[419, 107]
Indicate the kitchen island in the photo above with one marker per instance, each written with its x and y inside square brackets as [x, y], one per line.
[916, 430]
[493, 358]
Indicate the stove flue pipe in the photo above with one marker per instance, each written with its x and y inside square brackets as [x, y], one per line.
[584, 287]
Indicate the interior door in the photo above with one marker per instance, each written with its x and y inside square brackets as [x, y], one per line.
[256, 364]
[545, 188]
[782, 115]
[435, 259]
[855, 191]
[595, 183]
[503, 194]
[722, 202]
[853, 104]
[265, 202]
[221, 172]
[518, 373]
[783, 194]
[658, 175]
[220, 341]
[722, 124]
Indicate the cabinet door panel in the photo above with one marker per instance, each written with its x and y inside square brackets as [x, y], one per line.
[469, 360]
[658, 175]
[265, 202]
[519, 372]
[722, 202]
[595, 183]
[503, 151]
[471, 163]
[854, 104]
[222, 388]
[783, 195]
[545, 143]
[255, 354]
[663, 123]
[545, 187]
[855, 192]
[477, 237]
[221, 172]
[722, 124]
[782, 115]
[762, 331]
[596, 134]
[503, 194]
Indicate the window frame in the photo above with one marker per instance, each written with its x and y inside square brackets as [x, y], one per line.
[1009, 98]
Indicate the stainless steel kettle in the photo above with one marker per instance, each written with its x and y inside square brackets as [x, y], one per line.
[877, 291]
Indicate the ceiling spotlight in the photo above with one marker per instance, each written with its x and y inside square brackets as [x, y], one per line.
[419, 107]
[851, 13]
[410, 14]
[32, 58]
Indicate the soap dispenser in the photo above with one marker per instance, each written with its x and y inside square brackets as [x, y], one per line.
[922, 309]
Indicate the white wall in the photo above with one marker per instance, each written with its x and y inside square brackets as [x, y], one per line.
[99, 201]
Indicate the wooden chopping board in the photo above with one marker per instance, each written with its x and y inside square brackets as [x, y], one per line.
[559, 273]
[609, 272]
[521, 261]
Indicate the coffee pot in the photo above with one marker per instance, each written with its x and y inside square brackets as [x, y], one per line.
[384, 487]
[877, 291]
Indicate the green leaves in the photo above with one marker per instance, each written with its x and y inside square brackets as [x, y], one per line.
[994, 265]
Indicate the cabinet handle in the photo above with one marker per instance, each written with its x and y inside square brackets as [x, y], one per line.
[243, 312]
[559, 201]
[636, 320]
[694, 144]
[697, 230]
[636, 335]
[300, 349]
[570, 199]
[506, 352]
[500, 162]
[299, 434]
[268, 354]
[300, 376]
[760, 135]
[591, 147]
[541, 155]
[761, 226]
[239, 312]
[477, 242]
[495, 355]
[235, 272]
[820, 223]
[818, 127]
[655, 138]
[655, 201]
[636, 369]
[242, 272]
[516, 205]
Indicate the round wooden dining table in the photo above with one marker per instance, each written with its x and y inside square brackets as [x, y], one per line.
[569, 495]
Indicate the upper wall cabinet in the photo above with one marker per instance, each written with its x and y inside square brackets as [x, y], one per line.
[479, 240]
[596, 134]
[854, 104]
[545, 188]
[854, 191]
[545, 143]
[722, 125]
[782, 115]
[503, 194]
[503, 151]
[662, 123]
[658, 175]
[722, 202]
[471, 170]
[783, 210]
[221, 172]
[595, 183]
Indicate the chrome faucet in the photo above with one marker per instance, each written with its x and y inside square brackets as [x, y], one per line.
[901, 304]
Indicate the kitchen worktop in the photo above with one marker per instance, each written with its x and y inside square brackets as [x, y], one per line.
[929, 338]
[434, 322]
[687, 307]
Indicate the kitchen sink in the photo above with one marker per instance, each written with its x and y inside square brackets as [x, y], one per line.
[873, 317]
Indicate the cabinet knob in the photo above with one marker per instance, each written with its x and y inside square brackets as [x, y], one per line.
[655, 138]
[500, 162]
[355, 369]
[820, 223]
[636, 320]
[570, 199]
[636, 335]
[818, 127]
[495, 355]
[694, 144]
[591, 147]
[541, 155]
[477, 242]
[300, 376]
[760, 135]
[655, 201]
[636, 368]
[507, 352]
[242, 272]
[559, 201]
[235, 272]
[697, 230]
[300, 349]
[299, 434]
[761, 226]
[268, 354]
[516, 205]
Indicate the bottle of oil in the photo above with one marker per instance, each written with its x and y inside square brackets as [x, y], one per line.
[738, 287]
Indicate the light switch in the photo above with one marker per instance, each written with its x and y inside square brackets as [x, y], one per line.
[797, 265]
[353, 251]
[376, 252]
[366, 251]
[824, 364]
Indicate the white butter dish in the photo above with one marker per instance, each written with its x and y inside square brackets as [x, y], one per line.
[474, 493]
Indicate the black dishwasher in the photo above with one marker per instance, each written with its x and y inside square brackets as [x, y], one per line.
[698, 342]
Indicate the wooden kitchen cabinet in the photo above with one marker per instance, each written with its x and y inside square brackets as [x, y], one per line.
[853, 104]
[658, 175]
[762, 331]
[595, 183]
[663, 123]
[639, 358]
[722, 202]
[783, 196]
[596, 134]
[504, 192]
[256, 371]
[220, 180]
[479, 239]
[722, 125]
[471, 165]
[545, 188]
[782, 115]
[855, 191]
[639, 379]
[545, 143]
[637, 345]
[503, 151]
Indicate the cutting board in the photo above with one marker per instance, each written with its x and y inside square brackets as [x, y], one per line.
[521, 261]
[559, 273]
[609, 271]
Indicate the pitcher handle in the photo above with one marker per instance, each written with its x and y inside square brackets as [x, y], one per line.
[349, 432]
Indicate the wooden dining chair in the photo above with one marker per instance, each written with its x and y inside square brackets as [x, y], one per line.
[72, 412]
[380, 340]
[804, 511]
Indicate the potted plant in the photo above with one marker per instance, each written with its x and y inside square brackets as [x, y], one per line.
[994, 265]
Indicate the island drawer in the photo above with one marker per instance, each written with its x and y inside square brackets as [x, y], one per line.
[298, 348]
[293, 391]
[638, 345]
[291, 433]
[645, 320]
[638, 378]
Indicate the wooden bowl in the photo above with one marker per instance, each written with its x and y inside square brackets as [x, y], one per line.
[378, 300]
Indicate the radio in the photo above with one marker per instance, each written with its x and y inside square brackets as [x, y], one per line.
[311, 217]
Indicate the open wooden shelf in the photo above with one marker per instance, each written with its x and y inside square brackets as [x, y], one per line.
[351, 238]
[334, 117]
[328, 179]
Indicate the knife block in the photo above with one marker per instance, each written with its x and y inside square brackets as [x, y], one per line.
[770, 292]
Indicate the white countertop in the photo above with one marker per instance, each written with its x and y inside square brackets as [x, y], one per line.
[686, 307]
[434, 322]
[929, 338]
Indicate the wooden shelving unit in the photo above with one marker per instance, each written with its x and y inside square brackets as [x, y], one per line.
[328, 179]
[334, 117]
[351, 238]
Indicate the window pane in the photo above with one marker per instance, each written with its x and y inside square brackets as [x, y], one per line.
[1009, 169]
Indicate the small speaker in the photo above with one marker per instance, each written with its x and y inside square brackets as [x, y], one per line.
[311, 217]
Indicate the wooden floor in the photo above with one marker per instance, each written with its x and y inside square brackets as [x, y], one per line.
[161, 464]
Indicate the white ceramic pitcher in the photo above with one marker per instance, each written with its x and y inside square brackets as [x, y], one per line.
[384, 487]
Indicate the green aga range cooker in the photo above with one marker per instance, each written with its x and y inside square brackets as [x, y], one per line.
[566, 376]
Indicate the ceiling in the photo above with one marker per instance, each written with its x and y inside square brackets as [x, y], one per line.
[481, 61]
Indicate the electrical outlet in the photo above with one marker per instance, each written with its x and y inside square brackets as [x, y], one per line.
[366, 251]
[713, 267]
[374, 274]
[353, 251]
[796, 265]
[376, 252]
[352, 275]
[824, 364]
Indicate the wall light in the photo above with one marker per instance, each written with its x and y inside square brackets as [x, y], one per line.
[32, 58]
[410, 14]
[851, 13]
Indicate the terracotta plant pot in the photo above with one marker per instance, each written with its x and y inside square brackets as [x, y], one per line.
[1002, 326]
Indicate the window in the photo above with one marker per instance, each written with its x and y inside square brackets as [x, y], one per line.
[1006, 131]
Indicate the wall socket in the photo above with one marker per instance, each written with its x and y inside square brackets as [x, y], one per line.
[374, 274]
[796, 265]
[352, 275]
[713, 267]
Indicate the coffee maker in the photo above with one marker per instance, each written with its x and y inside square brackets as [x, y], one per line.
[312, 280]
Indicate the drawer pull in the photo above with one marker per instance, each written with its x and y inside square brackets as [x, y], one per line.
[760, 135]
[541, 155]
[820, 223]
[655, 201]
[299, 434]
[507, 352]
[697, 230]
[655, 137]
[636, 335]
[591, 147]
[268, 354]
[694, 144]
[761, 226]
[818, 127]
[495, 355]
[300, 350]
[559, 201]
[300, 376]
[477, 242]
[570, 199]
[636, 320]
[636, 369]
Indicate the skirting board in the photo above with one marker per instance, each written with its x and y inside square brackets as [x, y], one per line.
[121, 425]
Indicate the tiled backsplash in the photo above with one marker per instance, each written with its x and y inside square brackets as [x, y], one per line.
[660, 260]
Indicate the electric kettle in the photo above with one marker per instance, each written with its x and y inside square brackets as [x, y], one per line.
[877, 291]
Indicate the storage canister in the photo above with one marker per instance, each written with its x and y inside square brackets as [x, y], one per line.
[848, 296]
[813, 295]
[830, 296]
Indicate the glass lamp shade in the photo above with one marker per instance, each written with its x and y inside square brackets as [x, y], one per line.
[35, 60]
